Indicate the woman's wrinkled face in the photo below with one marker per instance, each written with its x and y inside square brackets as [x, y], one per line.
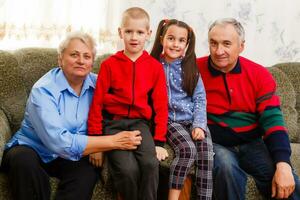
[76, 60]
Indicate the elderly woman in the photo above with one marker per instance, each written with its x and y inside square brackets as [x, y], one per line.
[52, 140]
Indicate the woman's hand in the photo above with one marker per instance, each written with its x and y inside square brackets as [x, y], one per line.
[124, 140]
[198, 134]
[96, 159]
[161, 153]
[127, 140]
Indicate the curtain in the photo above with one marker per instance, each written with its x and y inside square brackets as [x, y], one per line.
[44, 23]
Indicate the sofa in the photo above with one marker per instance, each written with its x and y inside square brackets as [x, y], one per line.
[21, 68]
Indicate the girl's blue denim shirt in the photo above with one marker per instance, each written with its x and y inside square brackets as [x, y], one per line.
[181, 106]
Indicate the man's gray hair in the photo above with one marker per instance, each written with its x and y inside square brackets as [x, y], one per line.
[83, 37]
[236, 24]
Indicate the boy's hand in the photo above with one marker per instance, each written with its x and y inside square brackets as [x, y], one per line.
[161, 153]
[96, 159]
[198, 134]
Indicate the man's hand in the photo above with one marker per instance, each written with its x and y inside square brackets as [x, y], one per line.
[96, 159]
[127, 140]
[161, 153]
[198, 134]
[283, 183]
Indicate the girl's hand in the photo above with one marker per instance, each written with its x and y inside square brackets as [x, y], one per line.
[96, 159]
[161, 153]
[198, 134]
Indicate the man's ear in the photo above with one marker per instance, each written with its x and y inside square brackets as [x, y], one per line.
[120, 33]
[242, 46]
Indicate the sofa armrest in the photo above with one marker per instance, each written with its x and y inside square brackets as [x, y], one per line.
[5, 132]
[295, 157]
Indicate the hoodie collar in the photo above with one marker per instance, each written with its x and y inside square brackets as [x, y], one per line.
[122, 56]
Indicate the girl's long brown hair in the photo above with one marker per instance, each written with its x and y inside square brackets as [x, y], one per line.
[190, 73]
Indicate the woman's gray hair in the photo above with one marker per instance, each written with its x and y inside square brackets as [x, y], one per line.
[236, 24]
[83, 37]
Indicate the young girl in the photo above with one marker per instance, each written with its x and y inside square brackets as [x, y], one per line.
[174, 47]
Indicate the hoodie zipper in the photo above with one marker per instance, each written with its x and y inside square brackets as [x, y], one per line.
[133, 81]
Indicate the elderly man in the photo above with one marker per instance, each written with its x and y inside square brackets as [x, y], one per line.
[245, 119]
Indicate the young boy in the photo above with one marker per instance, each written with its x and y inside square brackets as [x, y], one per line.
[131, 87]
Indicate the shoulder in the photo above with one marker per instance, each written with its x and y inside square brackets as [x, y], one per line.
[46, 86]
[256, 70]
[154, 62]
[108, 60]
[151, 60]
[202, 64]
[47, 79]
[251, 65]
[202, 60]
[93, 77]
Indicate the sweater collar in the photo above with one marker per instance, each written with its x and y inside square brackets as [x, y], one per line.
[236, 70]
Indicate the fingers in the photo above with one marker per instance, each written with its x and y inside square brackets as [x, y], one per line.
[280, 192]
[137, 132]
[273, 188]
[137, 137]
[284, 193]
[283, 183]
[96, 159]
[198, 134]
[161, 153]
[129, 140]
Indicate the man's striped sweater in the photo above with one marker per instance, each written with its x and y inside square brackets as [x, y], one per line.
[242, 105]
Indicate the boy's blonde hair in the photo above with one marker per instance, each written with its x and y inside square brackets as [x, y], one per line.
[135, 13]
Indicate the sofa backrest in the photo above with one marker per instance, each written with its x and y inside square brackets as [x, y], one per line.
[20, 69]
[34, 63]
[12, 91]
[287, 76]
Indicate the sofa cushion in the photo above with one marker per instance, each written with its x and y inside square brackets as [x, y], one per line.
[34, 63]
[286, 92]
[5, 133]
[292, 70]
[12, 90]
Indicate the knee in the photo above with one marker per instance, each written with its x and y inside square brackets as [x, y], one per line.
[149, 164]
[88, 176]
[188, 152]
[24, 161]
[129, 172]
[224, 169]
[225, 166]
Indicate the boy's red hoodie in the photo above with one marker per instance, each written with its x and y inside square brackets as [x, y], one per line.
[124, 89]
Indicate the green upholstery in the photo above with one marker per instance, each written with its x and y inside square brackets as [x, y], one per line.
[20, 69]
